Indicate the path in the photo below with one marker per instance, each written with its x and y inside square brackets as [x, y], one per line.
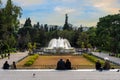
[13, 57]
[52, 74]
[59, 75]
[104, 55]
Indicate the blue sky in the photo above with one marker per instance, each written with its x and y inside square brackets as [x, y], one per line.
[52, 12]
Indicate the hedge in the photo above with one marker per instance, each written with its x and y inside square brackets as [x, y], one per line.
[92, 58]
[31, 60]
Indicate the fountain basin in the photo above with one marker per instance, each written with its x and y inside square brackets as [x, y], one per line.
[59, 45]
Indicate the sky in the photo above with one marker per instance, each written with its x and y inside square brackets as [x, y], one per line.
[80, 12]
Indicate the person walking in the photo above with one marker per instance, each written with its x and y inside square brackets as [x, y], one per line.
[8, 55]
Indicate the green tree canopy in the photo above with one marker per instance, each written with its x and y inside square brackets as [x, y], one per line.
[9, 20]
[108, 32]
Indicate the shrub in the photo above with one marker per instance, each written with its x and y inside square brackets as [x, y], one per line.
[31, 60]
[28, 63]
[92, 58]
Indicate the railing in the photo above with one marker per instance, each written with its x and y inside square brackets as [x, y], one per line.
[54, 67]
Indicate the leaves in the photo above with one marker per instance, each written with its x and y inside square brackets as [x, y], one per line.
[9, 23]
[108, 32]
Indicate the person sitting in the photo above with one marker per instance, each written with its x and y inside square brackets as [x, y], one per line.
[13, 66]
[106, 65]
[6, 65]
[68, 64]
[98, 65]
[60, 65]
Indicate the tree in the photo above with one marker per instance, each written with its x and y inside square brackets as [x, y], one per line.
[82, 45]
[1, 46]
[30, 47]
[80, 29]
[46, 27]
[10, 40]
[83, 39]
[11, 14]
[108, 33]
[67, 26]
[9, 20]
[28, 37]
[92, 36]
[28, 23]
[37, 26]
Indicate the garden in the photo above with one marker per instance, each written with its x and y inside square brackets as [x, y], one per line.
[37, 61]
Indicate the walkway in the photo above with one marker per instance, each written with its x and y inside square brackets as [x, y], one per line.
[13, 57]
[59, 75]
[104, 55]
[52, 74]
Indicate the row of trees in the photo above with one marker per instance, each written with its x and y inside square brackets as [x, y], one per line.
[42, 34]
[106, 36]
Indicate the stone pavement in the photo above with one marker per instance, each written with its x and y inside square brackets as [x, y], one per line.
[104, 55]
[13, 57]
[52, 74]
[81, 74]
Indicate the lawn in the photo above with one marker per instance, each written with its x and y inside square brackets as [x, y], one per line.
[49, 62]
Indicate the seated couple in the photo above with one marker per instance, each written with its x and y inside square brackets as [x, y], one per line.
[61, 65]
[106, 65]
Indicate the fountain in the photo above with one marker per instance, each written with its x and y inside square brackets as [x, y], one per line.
[59, 45]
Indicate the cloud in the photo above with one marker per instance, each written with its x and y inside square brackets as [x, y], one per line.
[69, 1]
[64, 10]
[109, 6]
[25, 3]
[86, 12]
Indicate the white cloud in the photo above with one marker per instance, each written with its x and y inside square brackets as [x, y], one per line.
[66, 0]
[28, 2]
[106, 5]
[64, 10]
[86, 12]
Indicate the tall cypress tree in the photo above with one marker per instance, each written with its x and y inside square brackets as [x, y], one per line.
[66, 25]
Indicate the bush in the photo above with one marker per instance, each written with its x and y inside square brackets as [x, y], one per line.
[92, 58]
[28, 63]
[31, 60]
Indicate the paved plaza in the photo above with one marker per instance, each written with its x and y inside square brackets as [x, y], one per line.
[52, 74]
[59, 75]
[14, 57]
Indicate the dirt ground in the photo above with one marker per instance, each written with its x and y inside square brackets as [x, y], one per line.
[51, 61]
